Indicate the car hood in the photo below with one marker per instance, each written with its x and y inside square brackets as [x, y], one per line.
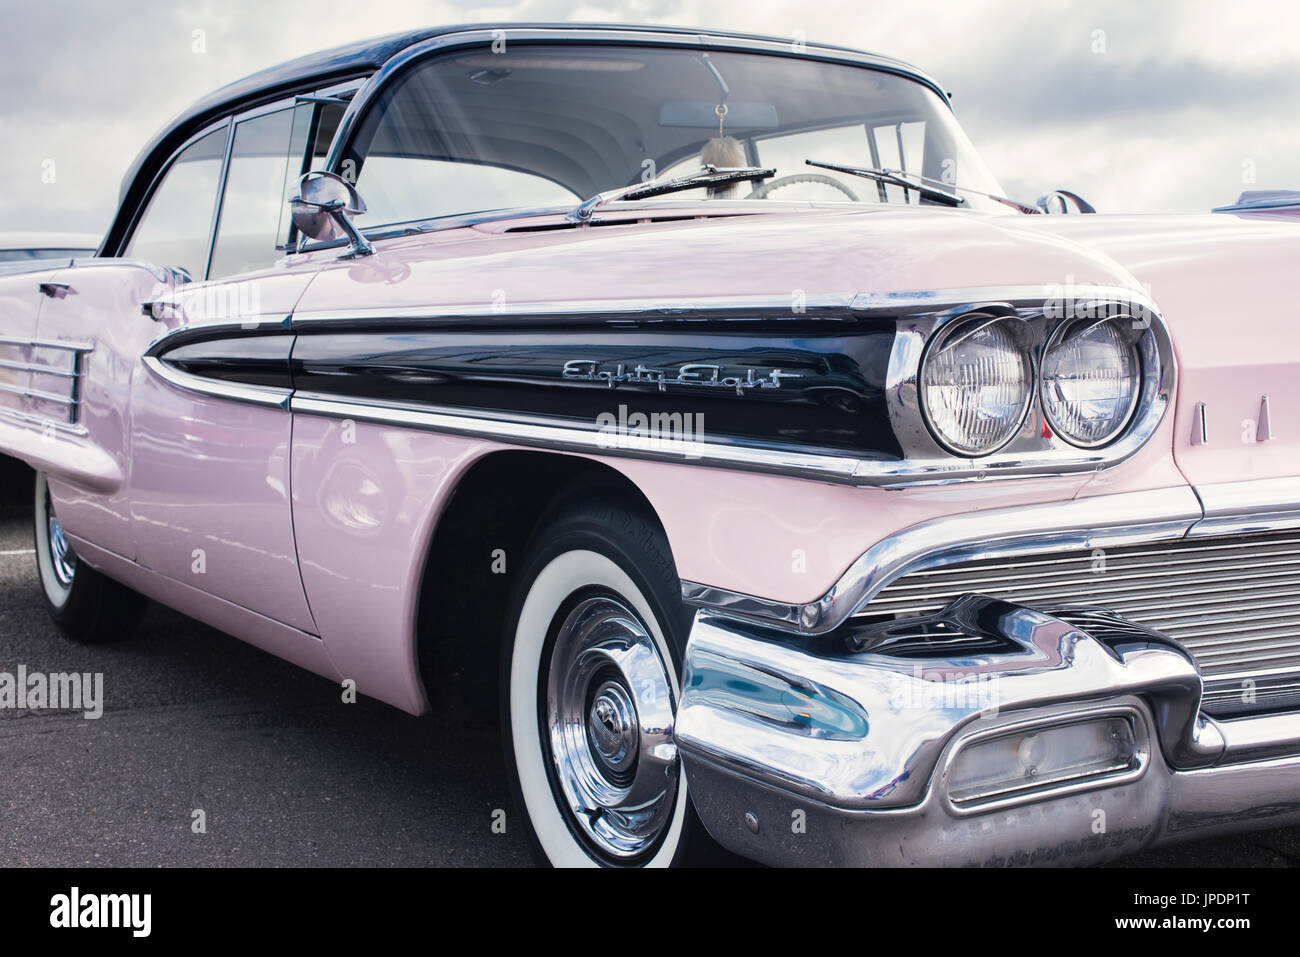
[684, 254]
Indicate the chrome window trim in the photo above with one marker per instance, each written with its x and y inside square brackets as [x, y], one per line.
[220, 201]
[163, 275]
[229, 121]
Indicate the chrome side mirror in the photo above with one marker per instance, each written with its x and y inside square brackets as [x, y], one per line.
[323, 209]
[1062, 201]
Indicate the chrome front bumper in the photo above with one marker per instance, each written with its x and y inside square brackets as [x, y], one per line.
[837, 749]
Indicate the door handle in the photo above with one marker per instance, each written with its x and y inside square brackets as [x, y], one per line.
[55, 290]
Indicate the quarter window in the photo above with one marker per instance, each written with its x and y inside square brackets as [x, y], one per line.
[176, 225]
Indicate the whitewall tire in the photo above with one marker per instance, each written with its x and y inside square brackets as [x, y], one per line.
[86, 606]
[590, 683]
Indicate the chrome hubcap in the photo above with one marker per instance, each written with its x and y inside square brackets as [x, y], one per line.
[609, 722]
[62, 556]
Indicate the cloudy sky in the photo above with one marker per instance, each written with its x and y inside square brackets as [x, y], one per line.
[1144, 107]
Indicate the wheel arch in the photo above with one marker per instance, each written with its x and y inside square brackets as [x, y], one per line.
[473, 549]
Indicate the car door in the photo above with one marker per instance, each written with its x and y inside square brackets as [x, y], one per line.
[209, 472]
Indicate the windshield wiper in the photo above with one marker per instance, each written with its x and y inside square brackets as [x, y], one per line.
[704, 176]
[893, 179]
[898, 177]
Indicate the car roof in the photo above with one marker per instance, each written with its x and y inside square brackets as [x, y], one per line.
[365, 57]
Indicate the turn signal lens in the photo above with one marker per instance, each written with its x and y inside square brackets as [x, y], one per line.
[1041, 758]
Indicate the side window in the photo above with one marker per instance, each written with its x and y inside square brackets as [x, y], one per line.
[257, 186]
[269, 154]
[175, 227]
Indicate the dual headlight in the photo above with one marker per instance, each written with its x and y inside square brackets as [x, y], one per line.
[977, 382]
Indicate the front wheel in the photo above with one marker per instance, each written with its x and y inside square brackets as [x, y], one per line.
[591, 679]
[86, 606]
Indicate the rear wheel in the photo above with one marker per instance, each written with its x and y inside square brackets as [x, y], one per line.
[86, 606]
[591, 679]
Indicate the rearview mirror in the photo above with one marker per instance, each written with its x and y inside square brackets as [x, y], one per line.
[704, 116]
[323, 209]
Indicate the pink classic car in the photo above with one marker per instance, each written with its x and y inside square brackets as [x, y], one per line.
[701, 400]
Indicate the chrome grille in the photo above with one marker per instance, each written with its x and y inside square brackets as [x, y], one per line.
[1234, 601]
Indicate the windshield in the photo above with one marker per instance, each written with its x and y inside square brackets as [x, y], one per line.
[548, 125]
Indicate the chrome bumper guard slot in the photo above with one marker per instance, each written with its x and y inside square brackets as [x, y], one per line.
[837, 749]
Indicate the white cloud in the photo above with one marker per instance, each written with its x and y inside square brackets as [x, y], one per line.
[1163, 119]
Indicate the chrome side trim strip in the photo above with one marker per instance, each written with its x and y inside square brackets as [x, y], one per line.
[1258, 737]
[667, 307]
[257, 395]
[1102, 521]
[66, 345]
[551, 434]
[923, 467]
[568, 435]
[66, 428]
[38, 394]
[1256, 505]
[38, 370]
[597, 309]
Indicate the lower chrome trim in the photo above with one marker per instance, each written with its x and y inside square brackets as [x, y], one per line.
[859, 745]
[1090, 827]
[1253, 506]
[1102, 521]
[573, 437]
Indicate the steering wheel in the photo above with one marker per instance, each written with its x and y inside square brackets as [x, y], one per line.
[762, 191]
